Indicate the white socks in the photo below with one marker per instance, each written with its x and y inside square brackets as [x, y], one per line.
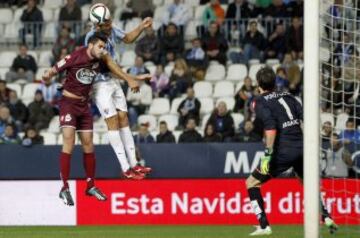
[128, 141]
[118, 147]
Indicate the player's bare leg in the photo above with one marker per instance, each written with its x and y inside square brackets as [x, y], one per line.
[119, 149]
[128, 141]
[65, 158]
[86, 138]
[253, 186]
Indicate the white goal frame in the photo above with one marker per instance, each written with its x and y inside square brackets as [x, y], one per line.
[311, 118]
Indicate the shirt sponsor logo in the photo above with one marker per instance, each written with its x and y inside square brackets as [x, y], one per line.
[67, 118]
[85, 76]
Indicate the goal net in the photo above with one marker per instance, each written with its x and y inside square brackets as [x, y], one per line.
[340, 112]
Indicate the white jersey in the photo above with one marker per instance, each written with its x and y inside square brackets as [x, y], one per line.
[117, 34]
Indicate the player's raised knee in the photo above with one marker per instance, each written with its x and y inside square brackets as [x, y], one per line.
[252, 182]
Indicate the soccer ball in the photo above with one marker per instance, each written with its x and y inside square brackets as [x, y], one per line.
[99, 13]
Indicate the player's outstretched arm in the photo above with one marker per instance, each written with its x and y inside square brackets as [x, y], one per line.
[134, 34]
[48, 74]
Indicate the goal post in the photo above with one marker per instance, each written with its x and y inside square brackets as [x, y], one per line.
[311, 118]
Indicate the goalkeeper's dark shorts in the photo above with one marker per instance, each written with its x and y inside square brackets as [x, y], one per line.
[282, 160]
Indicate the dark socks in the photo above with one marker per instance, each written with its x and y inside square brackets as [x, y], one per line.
[257, 203]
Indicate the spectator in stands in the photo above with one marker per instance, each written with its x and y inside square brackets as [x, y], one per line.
[296, 7]
[178, 13]
[213, 13]
[171, 44]
[138, 102]
[10, 136]
[165, 136]
[223, 122]
[160, 82]
[295, 38]
[180, 79]
[18, 110]
[338, 159]
[64, 41]
[277, 9]
[4, 92]
[247, 133]
[344, 50]
[138, 67]
[50, 92]
[276, 43]
[23, 67]
[210, 136]
[189, 108]
[148, 46]
[253, 46]
[144, 136]
[70, 14]
[293, 73]
[215, 44]
[282, 83]
[32, 137]
[32, 18]
[196, 59]
[326, 132]
[5, 118]
[350, 134]
[244, 95]
[190, 135]
[137, 8]
[40, 112]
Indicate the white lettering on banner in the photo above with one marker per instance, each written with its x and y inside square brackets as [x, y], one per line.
[290, 204]
[241, 164]
[120, 204]
[343, 205]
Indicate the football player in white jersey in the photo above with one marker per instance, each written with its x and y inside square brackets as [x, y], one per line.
[109, 96]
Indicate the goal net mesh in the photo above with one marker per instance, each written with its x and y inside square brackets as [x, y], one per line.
[340, 112]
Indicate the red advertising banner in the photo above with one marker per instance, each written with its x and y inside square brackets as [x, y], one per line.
[209, 201]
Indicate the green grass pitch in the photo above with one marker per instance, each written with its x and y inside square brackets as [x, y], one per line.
[163, 232]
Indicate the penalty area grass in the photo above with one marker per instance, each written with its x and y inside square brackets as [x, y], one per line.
[156, 231]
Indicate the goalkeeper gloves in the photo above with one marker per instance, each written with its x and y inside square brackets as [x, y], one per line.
[265, 161]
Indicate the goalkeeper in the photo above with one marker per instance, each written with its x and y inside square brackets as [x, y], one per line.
[281, 115]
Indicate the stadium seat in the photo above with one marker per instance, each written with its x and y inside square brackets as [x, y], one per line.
[45, 58]
[238, 119]
[2, 30]
[16, 87]
[168, 69]
[96, 138]
[85, 12]
[151, 68]
[325, 116]
[159, 13]
[53, 4]
[204, 121]
[215, 73]
[33, 54]
[224, 89]
[6, 15]
[159, 106]
[60, 139]
[199, 10]
[128, 58]
[54, 125]
[104, 139]
[207, 105]
[17, 14]
[119, 3]
[324, 54]
[49, 138]
[229, 101]
[29, 91]
[47, 14]
[271, 62]
[175, 104]
[50, 31]
[167, 2]
[203, 89]
[158, 3]
[100, 126]
[236, 72]
[12, 30]
[7, 58]
[131, 25]
[3, 72]
[341, 121]
[56, 14]
[190, 31]
[177, 135]
[238, 86]
[253, 70]
[275, 67]
[171, 120]
[150, 119]
[254, 61]
[192, 3]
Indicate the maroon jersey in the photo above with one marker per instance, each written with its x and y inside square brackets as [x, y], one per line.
[81, 72]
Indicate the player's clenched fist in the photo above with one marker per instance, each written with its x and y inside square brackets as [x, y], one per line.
[147, 22]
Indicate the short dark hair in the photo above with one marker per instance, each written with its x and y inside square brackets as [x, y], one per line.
[163, 123]
[98, 36]
[266, 78]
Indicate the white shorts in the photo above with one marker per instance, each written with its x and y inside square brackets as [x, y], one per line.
[109, 97]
